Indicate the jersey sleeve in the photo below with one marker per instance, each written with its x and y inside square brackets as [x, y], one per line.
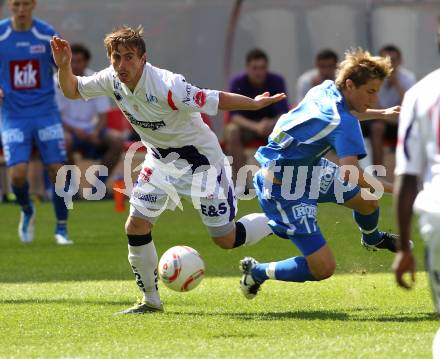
[409, 151]
[98, 84]
[347, 138]
[186, 97]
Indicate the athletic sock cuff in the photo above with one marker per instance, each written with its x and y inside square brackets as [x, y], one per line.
[240, 234]
[136, 240]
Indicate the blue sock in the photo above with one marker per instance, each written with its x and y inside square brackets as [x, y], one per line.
[294, 269]
[47, 182]
[60, 212]
[368, 224]
[23, 198]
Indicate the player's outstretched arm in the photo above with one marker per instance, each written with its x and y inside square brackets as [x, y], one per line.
[229, 101]
[62, 55]
[390, 114]
[405, 195]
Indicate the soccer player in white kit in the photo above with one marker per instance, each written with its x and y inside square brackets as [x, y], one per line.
[164, 109]
[418, 181]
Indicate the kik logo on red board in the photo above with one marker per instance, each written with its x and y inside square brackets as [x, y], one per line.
[25, 74]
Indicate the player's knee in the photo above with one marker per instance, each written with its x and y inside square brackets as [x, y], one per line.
[135, 225]
[325, 270]
[322, 264]
[224, 242]
[18, 177]
[223, 236]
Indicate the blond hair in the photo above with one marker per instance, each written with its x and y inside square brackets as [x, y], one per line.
[127, 37]
[360, 66]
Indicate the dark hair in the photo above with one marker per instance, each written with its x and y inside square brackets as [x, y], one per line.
[256, 54]
[327, 54]
[391, 48]
[127, 37]
[81, 49]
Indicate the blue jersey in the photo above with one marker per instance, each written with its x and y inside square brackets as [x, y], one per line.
[26, 70]
[319, 123]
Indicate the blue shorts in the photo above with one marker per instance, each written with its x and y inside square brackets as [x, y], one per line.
[19, 135]
[295, 219]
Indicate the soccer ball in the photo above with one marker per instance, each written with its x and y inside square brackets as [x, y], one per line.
[181, 268]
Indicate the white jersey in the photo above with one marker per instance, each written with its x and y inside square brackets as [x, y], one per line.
[164, 110]
[418, 148]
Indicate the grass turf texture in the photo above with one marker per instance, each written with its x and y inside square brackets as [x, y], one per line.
[59, 301]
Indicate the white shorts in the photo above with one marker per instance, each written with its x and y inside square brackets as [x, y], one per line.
[429, 224]
[211, 192]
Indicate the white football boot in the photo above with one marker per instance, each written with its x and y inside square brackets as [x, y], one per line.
[26, 227]
[142, 307]
[62, 239]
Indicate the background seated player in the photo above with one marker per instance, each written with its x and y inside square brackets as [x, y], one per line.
[85, 121]
[391, 94]
[325, 68]
[245, 127]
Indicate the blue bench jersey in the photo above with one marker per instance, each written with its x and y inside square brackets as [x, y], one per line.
[26, 70]
[319, 123]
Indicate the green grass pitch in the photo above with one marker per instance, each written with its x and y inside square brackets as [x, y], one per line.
[58, 302]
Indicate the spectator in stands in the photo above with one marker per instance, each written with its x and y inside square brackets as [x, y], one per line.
[326, 62]
[391, 94]
[85, 121]
[253, 127]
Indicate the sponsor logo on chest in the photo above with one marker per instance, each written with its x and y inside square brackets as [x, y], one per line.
[151, 98]
[144, 124]
[37, 49]
[25, 74]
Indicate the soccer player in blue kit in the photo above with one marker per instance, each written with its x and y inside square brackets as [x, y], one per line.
[294, 177]
[29, 112]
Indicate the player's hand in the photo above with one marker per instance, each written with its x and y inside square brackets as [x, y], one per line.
[2, 94]
[265, 99]
[62, 54]
[391, 114]
[404, 262]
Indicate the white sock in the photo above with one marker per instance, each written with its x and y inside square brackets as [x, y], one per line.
[256, 227]
[143, 260]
